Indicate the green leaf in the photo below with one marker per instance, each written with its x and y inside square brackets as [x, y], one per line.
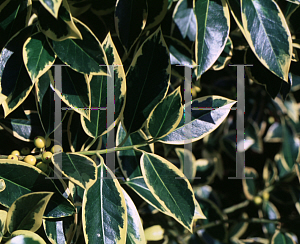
[3, 215]
[270, 212]
[284, 172]
[261, 75]
[213, 214]
[113, 58]
[21, 178]
[270, 172]
[187, 163]
[79, 7]
[166, 116]
[135, 231]
[157, 10]
[290, 144]
[76, 135]
[249, 185]
[77, 195]
[291, 105]
[86, 55]
[37, 55]
[179, 52]
[80, 169]
[130, 20]
[45, 102]
[75, 90]
[103, 7]
[198, 211]
[252, 138]
[206, 169]
[59, 231]
[25, 130]
[97, 125]
[274, 133]
[2, 185]
[138, 184]
[295, 2]
[25, 237]
[160, 177]
[295, 80]
[104, 213]
[282, 238]
[52, 6]
[14, 16]
[235, 9]
[60, 28]
[228, 144]
[129, 160]
[202, 122]
[184, 17]
[148, 79]
[212, 32]
[263, 22]
[15, 82]
[26, 213]
[239, 228]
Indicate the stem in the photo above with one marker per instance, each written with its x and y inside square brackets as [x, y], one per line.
[91, 144]
[124, 140]
[235, 207]
[104, 151]
[252, 220]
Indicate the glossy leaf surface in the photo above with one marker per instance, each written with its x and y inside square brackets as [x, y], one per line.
[147, 81]
[104, 213]
[80, 169]
[202, 122]
[213, 23]
[175, 195]
[60, 28]
[130, 20]
[129, 160]
[37, 55]
[101, 90]
[166, 115]
[135, 231]
[52, 6]
[184, 17]
[26, 213]
[261, 20]
[85, 56]
[21, 178]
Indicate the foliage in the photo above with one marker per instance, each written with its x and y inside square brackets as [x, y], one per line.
[138, 48]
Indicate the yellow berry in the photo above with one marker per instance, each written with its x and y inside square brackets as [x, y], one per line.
[154, 233]
[46, 157]
[39, 142]
[30, 159]
[25, 151]
[14, 157]
[266, 195]
[48, 142]
[56, 149]
[271, 120]
[15, 152]
[42, 166]
[257, 200]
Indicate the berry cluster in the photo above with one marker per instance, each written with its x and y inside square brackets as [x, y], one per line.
[40, 143]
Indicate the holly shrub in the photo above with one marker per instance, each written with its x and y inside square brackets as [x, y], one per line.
[137, 101]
